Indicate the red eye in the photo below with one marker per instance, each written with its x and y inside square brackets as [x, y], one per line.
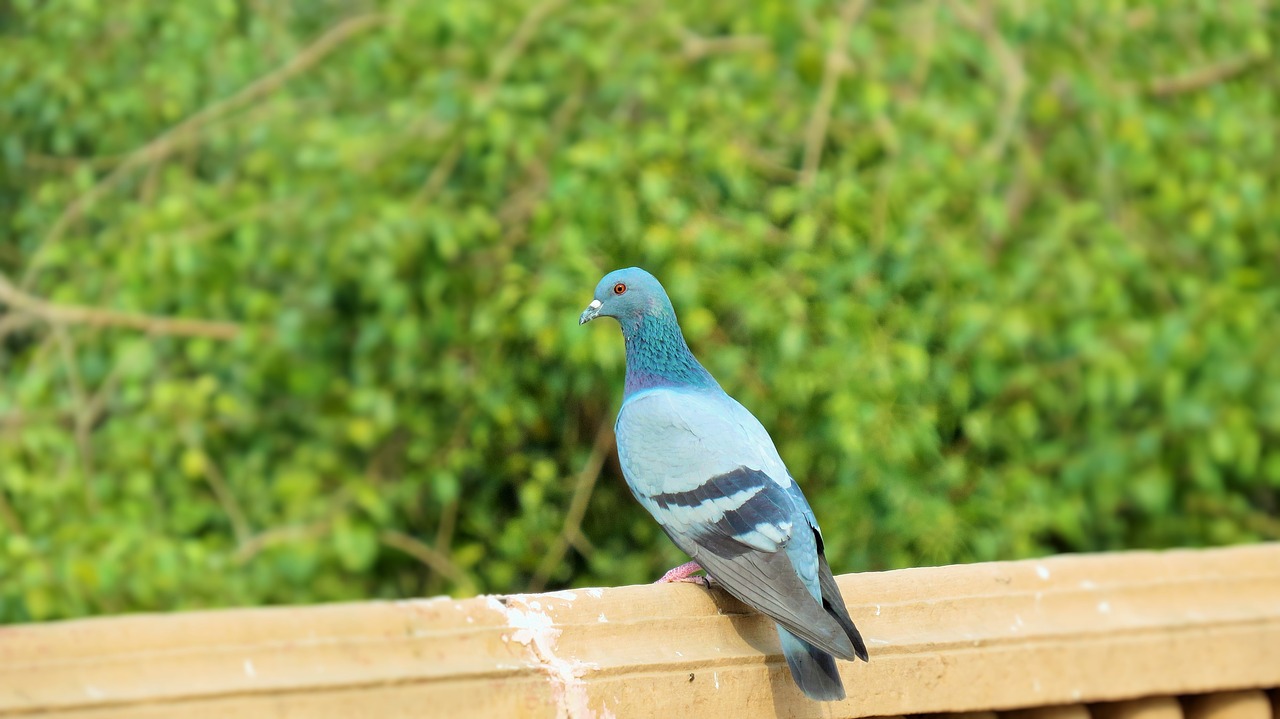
[619, 288]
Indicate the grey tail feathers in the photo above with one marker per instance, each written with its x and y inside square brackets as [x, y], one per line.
[813, 669]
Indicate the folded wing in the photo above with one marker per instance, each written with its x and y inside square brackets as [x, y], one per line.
[706, 469]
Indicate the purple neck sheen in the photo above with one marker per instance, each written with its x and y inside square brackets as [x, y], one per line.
[657, 356]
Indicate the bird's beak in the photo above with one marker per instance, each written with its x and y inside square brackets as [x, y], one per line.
[590, 313]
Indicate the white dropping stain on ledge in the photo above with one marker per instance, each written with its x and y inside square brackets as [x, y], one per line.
[1042, 571]
[249, 671]
[1104, 607]
[536, 630]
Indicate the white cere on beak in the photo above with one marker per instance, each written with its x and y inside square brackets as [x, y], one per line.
[595, 304]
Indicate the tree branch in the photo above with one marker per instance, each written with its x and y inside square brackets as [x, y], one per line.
[81, 421]
[694, 47]
[515, 212]
[226, 498]
[837, 62]
[159, 148]
[1203, 77]
[255, 544]
[436, 561]
[1011, 67]
[577, 507]
[60, 315]
[502, 64]
[9, 517]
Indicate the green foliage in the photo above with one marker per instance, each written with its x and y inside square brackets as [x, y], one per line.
[1002, 286]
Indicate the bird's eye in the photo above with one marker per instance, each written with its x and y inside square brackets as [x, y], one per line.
[619, 288]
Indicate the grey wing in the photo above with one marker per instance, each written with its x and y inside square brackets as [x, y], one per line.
[772, 581]
[689, 460]
[832, 600]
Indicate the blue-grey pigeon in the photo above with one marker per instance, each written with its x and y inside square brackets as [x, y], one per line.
[707, 470]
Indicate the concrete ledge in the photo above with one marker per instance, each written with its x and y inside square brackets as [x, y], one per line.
[999, 636]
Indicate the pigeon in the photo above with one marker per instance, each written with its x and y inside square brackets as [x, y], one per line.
[709, 473]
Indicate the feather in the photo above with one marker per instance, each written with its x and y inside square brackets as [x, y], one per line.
[813, 670]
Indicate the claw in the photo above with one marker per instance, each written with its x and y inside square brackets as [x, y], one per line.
[684, 573]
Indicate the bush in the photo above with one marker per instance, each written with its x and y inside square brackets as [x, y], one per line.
[1000, 283]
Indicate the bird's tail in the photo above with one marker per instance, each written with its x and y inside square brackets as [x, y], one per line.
[813, 669]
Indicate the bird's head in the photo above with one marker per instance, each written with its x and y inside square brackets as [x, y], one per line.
[627, 295]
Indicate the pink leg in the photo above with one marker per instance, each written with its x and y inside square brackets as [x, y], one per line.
[684, 573]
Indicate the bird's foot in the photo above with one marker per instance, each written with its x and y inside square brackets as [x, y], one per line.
[684, 573]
